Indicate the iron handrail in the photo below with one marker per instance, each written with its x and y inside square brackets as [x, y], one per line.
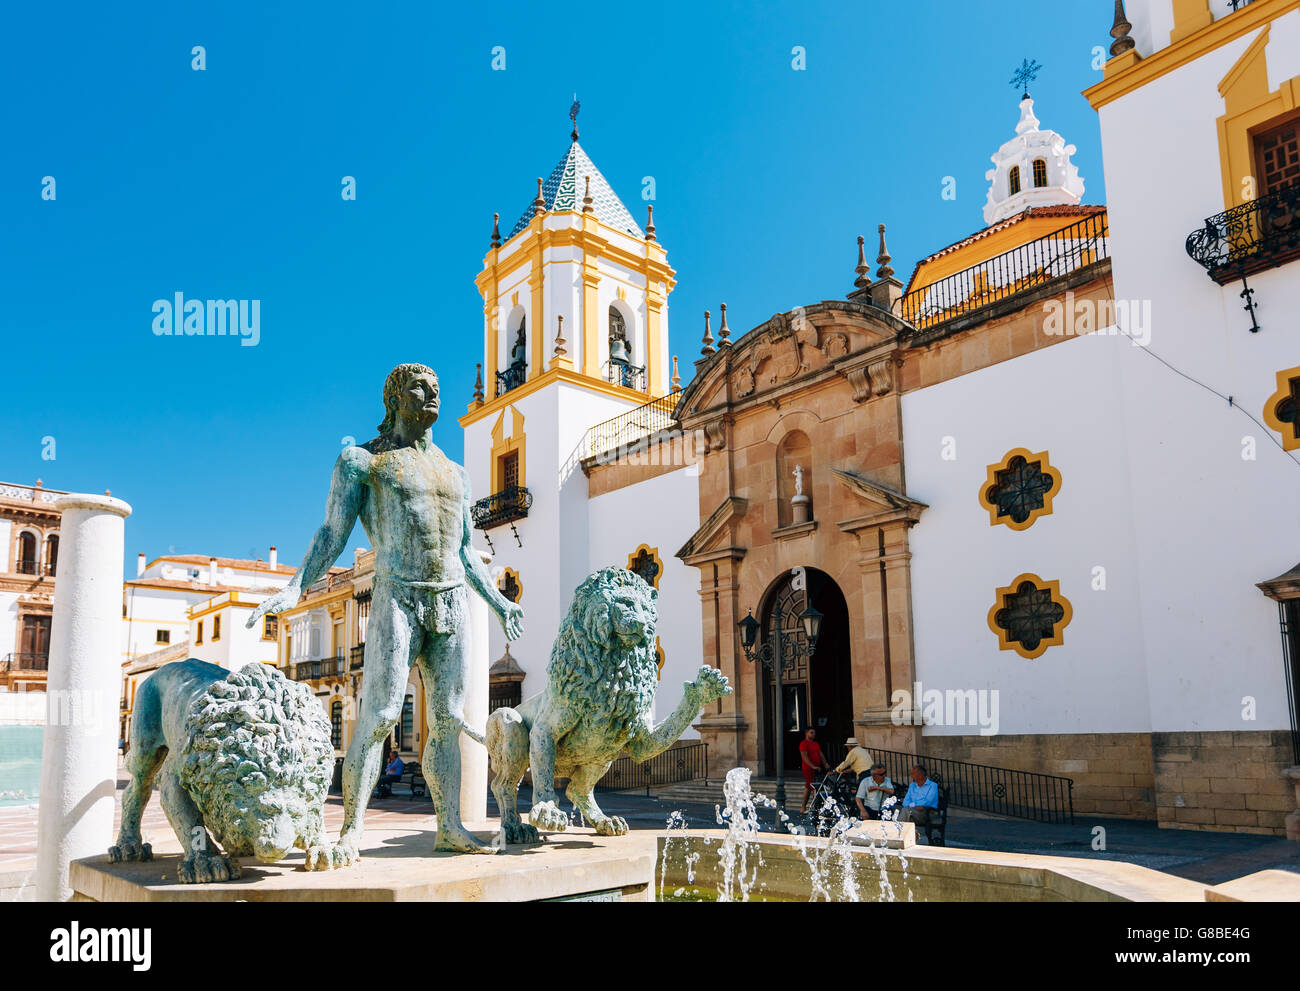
[1249, 238]
[686, 763]
[1009, 274]
[1016, 794]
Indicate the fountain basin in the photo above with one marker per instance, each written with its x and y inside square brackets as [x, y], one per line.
[914, 873]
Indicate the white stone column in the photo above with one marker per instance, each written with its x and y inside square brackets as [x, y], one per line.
[84, 685]
[473, 756]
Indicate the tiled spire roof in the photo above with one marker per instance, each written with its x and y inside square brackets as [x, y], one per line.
[564, 188]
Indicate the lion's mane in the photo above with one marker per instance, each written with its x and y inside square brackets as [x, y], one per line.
[592, 667]
[253, 733]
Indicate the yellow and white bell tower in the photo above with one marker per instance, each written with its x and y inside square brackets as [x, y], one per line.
[575, 334]
[576, 287]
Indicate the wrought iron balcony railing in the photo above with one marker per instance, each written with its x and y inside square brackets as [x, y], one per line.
[628, 376]
[512, 378]
[25, 566]
[1019, 270]
[325, 667]
[358, 657]
[1250, 238]
[502, 508]
[27, 661]
[644, 423]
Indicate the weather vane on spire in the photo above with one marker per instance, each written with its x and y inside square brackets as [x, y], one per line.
[573, 116]
[1025, 75]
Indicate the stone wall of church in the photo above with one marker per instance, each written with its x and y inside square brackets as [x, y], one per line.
[1226, 782]
[1112, 772]
[1230, 781]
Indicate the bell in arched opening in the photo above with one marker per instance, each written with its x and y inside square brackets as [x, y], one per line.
[619, 353]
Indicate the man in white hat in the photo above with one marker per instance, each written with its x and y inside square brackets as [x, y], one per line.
[858, 759]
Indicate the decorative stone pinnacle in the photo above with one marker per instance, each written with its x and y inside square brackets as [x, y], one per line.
[1120, 31]
[864, 270]
[587, 200]
[478, 382]
[676, 381]
[708, 348]
[650, 224]
[724, 332]
[539, 204]
[559, 338]
[496, 230]
[884, 272]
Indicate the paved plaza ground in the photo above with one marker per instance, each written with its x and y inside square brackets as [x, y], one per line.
[1209, 858]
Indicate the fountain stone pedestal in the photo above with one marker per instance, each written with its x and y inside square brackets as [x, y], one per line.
[401, 865]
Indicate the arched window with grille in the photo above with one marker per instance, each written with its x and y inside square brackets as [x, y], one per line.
[51, 553]
[1040, 173]
[1014, 179]
[406, 728]
[336, 724]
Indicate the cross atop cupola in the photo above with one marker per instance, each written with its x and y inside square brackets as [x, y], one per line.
[1033, 169]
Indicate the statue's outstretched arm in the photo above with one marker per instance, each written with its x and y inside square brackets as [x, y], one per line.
[709, 685]
[341, 509]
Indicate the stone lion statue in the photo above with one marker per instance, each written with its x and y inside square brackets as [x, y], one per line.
[600, 688]
[245, 757]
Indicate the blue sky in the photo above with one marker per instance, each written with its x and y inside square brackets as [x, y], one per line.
[225, 183]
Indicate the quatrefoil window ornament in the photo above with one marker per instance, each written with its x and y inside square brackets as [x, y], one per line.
[1282, 411]
[1030, 615]
[1019, 489]
[510, 586]
[644, 561]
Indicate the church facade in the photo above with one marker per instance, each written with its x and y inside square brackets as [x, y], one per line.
[1040, 535]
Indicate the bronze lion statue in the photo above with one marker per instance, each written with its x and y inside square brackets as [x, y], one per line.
[244, 754]
[598, 702]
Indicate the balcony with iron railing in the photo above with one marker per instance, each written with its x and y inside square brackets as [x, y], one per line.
[501, 508]
[324, 667]
[627, 375]
[646, 423]
[27, 661]
[515, 374]
[1029, 267]
[1249, 238]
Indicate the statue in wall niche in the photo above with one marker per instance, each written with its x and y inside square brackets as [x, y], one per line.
[243, 757]
[598, 702]
[414, 503]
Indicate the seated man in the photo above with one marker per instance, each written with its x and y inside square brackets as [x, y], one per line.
[873, 791]
[858, 760]
[921, 804]
[392, 775]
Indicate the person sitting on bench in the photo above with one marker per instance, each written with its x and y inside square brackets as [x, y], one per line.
[875, 788]
[921, 804]
[392, 775]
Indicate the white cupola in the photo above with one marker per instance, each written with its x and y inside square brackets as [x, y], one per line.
[1032, 169]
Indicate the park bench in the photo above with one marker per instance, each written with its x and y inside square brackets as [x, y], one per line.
[412, 780]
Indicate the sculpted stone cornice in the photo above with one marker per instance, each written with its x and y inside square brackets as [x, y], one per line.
[887, 505]
[790, 351]
[698, 549]
[872, 373]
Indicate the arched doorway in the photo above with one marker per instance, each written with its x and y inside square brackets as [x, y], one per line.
[818, 690]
